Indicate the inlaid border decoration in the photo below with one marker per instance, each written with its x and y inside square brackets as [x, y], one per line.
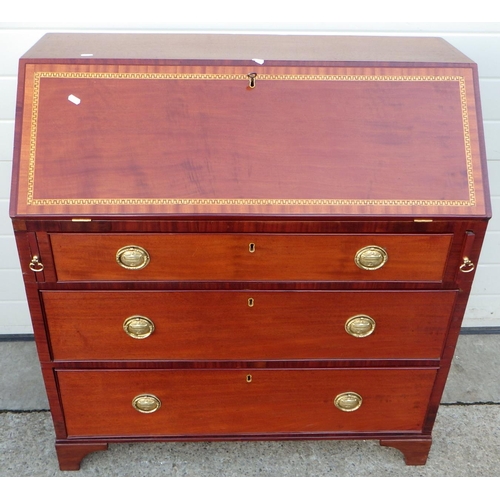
[223, 201]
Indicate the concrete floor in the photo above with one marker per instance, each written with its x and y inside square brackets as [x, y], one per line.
[466, 437]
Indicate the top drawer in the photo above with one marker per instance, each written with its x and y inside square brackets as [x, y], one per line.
[250, 257]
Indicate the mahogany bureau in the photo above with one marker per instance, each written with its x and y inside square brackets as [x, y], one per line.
[245, 237]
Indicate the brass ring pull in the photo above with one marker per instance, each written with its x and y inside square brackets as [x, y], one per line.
[35, 265]
[468, 266]
[348, 401]
[132, 257]
[138, 327]
[360, 325]
[371, 258]
[146, 403]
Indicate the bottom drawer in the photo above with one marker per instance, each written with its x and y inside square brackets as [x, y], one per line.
[206, 402]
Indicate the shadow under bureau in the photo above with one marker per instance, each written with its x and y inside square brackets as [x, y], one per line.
[246, 237]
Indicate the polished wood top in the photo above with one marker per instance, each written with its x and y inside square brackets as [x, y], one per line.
[245, 48]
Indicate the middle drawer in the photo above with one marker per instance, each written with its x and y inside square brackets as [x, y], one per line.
[249, 325]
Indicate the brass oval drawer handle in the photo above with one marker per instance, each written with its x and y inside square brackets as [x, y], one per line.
[132, 257]
[371, 258]
[138, 327]
[360, 325]
[146, 403]
[35, 265]
[348, 401]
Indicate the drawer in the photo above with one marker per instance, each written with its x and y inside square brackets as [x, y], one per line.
[227, 325]
[250, 257]
[226, 402]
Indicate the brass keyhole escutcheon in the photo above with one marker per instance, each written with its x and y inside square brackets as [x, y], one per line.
[371, 258]
[146, 403]
[132, 257]
[138, 327]
[348, 401]
[360, 325]
[251, 302]
[251, 247]
[251, 80]
[249, 378]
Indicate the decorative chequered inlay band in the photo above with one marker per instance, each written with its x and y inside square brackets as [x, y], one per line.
[471, 201]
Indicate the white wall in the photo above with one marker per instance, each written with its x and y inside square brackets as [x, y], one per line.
[479, 41]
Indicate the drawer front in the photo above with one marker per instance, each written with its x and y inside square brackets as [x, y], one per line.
[213, 325]
[249, 257]
[228, 402]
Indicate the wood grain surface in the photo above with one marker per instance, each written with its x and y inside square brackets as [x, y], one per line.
[99, 403]
[194, 139]
[227, 257]
[303, 48]
[222, 326]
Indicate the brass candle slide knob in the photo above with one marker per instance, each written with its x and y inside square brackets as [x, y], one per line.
[35, 265]
[467, 266]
